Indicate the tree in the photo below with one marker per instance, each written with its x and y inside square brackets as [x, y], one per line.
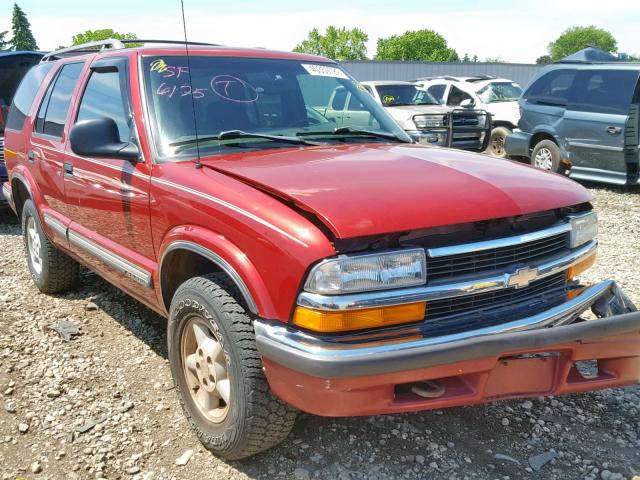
[21, 29]
[425, 45]
[494, 60]
[103, 34]
[4, 44]
[544, 60]
[576, 38]
[336, 43]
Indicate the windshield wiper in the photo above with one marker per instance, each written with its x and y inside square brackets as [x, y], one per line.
[239, 134]
[356, 132]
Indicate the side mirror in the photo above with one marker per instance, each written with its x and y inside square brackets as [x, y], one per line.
[467, 102]
[99, 138]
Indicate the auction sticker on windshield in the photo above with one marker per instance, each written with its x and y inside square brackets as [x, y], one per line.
[324, 71]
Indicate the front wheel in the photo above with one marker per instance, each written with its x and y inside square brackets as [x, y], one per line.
[218, 372]
[497, 142]
[546, 156]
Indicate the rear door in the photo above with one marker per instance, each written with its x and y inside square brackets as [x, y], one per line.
[595, 123]
[45, 153]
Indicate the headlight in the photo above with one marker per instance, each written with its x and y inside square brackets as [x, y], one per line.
[583, 229]
[428, 121]
[360, 273]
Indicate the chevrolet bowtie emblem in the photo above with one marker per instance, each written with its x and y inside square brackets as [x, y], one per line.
[522, 277]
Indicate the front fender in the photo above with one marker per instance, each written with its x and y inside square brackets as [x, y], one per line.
[225, 255]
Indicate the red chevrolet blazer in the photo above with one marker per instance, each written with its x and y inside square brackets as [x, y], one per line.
[305, 258]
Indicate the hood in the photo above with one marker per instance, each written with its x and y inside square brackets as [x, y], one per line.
[360, 190]
[404, 114]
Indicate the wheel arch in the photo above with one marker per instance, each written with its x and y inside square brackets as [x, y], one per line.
[184, 259]
[539, 136]
[21, 191]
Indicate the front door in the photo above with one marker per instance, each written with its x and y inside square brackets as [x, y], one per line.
[595, 122]
[108, 198]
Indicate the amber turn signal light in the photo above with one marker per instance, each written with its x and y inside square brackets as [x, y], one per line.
[578, 268]
[325, 322]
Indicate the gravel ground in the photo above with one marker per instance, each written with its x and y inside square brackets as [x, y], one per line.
[102, 404]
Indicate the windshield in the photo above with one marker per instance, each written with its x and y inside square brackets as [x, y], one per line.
[263, 97]
[398, 95]
[500, 92]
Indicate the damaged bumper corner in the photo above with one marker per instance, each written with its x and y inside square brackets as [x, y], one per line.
[533, 356]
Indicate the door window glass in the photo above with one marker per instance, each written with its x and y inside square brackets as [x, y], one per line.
[552, 88]
[103, 98]
[457, 96]
[603, 91]
[55, 106]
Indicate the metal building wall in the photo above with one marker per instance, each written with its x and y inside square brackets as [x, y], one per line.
[379, 70]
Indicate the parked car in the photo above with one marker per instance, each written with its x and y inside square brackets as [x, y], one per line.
[339, 270]
[580, 115]
[13, 66]
[498, 96]
[425, 120]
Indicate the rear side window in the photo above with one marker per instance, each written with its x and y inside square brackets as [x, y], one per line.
[55, 105]
[437, 91]
[603, 91]
[103, 98]
[552, 88]
[25, 94]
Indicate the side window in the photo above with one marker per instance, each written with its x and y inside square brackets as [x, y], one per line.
[55, 105]
[339, 98]
[368, 89]
[103, 97]
[456, 96]
[437, 91]
[355, 104]
[603, 91]
[25, 94]
[552, 88]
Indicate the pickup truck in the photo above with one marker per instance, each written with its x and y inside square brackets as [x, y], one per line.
[303, 265]
[427, 121]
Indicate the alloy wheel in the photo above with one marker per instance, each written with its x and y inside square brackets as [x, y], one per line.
[206, 369]
[34, 245]
[544, 159]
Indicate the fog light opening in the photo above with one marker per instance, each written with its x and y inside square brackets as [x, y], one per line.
[428, 389]
[588, 369]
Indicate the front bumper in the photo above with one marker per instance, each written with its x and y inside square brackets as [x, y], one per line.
[515, 359]
[517, 144]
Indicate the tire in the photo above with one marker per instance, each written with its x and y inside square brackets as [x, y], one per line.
[221, 386]
[546, 156]
[497, 140]
[52, 270]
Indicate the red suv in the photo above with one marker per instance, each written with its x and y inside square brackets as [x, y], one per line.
[303, 260]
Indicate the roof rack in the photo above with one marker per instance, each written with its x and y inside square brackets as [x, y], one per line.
[109, 44]
[479, 78]
[436, 77]
[88, 47]
[170, 42]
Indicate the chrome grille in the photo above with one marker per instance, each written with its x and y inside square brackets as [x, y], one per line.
[466, 303]
[3, 171]
[496, 258]
[1, 149]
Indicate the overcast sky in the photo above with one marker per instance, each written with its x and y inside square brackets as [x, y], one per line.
[516, 31]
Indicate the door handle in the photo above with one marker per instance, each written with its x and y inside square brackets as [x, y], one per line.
[68, 168]
[31, 156]
[614, 130]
